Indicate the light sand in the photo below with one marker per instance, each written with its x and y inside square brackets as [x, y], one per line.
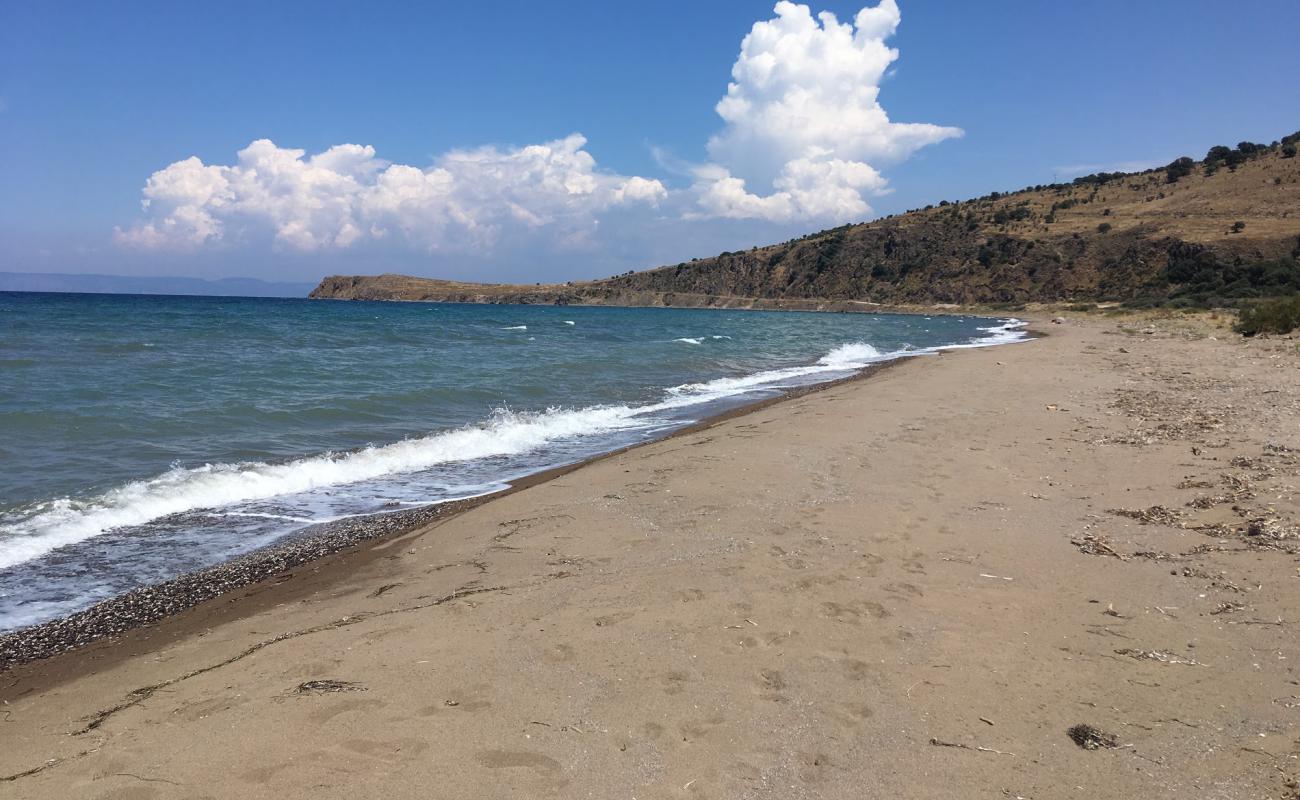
[806, 601]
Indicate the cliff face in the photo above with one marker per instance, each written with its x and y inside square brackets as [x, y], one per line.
[1202, 233]
[591, 293]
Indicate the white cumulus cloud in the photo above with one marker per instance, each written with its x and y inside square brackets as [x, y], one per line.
[346, 193]
[803, 116]
[803, 135]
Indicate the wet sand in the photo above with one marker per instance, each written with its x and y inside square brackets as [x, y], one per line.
[912, 585]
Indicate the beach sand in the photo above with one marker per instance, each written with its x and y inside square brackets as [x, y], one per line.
[907, 586]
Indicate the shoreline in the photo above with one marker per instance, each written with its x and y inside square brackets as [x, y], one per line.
[341, 539]
[1058, 570]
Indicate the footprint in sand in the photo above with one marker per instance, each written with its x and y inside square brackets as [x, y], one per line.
[769, 684]
[814, 767]
[339, 707]
[694, 730]
[612, 619]
[902, 587]
[675, 682]
[518, 759]
[854, 669]
[852, 613]
[558, 653]
[453, 705]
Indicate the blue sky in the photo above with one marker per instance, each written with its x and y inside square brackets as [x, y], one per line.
[98, 97]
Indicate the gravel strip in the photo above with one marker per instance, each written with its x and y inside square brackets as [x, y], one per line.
[151, 603]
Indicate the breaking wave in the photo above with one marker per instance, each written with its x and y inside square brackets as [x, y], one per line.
[39, 529]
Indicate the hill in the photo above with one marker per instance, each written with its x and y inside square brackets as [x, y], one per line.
[1204, 232]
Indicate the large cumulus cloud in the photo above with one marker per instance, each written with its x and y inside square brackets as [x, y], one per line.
[803, 116]
[346, 193]
[803, 135]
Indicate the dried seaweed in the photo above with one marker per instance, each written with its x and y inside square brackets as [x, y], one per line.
[1163, 656]
[1094, 544]
[1155, 515]
[1090, 738]
[326, 686]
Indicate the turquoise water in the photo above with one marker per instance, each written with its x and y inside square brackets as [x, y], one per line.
[142, 437]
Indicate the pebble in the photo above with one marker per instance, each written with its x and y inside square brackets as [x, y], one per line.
[151, 603]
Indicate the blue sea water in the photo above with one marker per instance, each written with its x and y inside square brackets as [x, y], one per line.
[146, 436]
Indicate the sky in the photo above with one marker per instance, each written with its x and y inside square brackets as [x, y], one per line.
[527, 142]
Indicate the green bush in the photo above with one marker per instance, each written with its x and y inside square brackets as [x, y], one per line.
[1178, 168]
[1271, 316]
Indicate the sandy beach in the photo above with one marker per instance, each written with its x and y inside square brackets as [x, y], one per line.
[911, 585]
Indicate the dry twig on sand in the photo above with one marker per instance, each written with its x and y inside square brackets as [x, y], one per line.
[959, 745]
[1163, 656]
[1094, 544]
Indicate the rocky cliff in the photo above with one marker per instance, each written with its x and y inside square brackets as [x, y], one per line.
[1224, 228]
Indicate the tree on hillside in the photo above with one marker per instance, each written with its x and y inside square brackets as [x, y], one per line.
[1218, 153]
[1178, 168]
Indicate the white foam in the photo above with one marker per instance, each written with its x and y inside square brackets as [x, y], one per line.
[516, 328]
[1013, 330]
[570, 322]
[506, 433]
[843, 359]
[856, 354]
[688, 340]
[65, 521]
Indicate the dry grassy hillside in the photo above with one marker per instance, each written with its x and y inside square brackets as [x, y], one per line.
[1193, 233]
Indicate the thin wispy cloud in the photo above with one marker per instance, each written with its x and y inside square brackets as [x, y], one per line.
[803, 138]
[1075, 170]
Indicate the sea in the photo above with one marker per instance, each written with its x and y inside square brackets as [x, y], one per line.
[142, 437]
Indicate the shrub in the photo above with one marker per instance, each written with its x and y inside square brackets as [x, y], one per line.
[1005, 215]
[1202, 279]
[1178, 168]
[1218, 153]
[1288, 151]
[1272, 316]
[1238, 226]
[1103, 227]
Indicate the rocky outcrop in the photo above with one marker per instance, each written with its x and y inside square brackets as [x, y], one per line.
[1206, 234]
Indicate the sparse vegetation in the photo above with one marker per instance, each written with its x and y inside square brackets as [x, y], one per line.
[1278, 316]
[1100, 238]
[1199, 279]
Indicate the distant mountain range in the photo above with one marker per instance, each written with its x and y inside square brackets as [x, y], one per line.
[1195, 233]
[122, 284]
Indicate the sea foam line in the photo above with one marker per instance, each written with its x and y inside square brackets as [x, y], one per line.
[67, 521]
